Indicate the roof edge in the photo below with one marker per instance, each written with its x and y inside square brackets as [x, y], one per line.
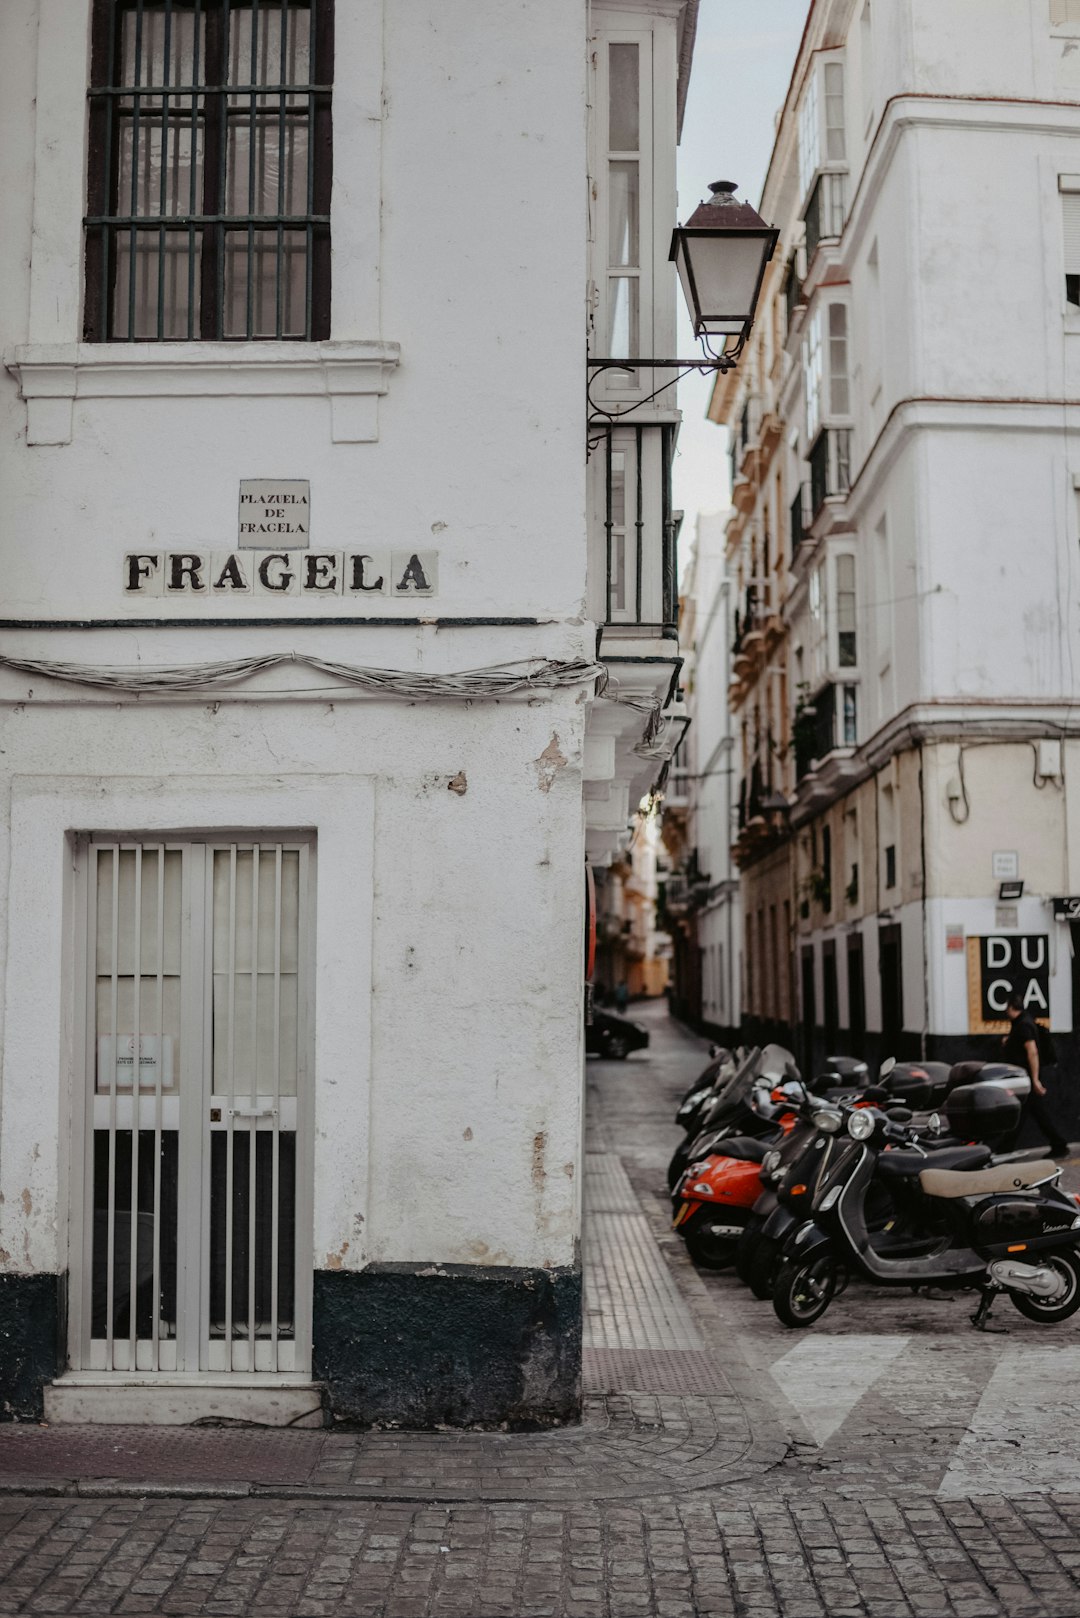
[687, 36]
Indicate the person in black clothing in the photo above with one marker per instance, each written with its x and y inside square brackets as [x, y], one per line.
[1022, 1048]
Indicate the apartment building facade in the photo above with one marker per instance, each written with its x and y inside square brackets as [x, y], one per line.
[904, 535]
[701, 898]
[306, 567]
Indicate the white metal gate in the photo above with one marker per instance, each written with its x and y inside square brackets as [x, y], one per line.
[193, 1172]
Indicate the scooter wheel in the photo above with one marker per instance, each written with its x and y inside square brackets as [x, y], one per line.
[711, 1252]
[763, 1267]
[803, 1289]
[745, 1248]
[1043, 1310]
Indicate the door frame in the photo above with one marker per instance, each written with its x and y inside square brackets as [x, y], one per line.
[193, 1233]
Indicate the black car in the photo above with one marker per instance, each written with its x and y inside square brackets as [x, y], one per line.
[609, 1035]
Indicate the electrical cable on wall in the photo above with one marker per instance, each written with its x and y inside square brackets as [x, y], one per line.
[511, 679]
[507, 680]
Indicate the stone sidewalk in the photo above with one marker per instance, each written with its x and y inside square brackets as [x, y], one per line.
[889, 1463]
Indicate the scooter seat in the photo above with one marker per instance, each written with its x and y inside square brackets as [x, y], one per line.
[744, 1148]
[984, 1182]
[903, 1165]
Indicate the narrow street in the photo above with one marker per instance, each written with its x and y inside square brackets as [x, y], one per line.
[893, 1463]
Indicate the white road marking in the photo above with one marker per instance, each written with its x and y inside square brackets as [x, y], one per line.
[824, 1377]
[1022, 1437]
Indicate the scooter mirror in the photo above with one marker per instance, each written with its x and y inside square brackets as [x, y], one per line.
[936, 1124]
[886, 1067]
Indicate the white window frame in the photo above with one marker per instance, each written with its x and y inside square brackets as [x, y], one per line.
[54, 366]
[817, 126]
[657, 119]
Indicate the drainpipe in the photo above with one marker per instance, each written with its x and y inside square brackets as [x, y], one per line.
[925, 918]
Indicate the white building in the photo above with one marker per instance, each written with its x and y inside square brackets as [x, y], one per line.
[293, 440]
[905, 464]
[702, 896]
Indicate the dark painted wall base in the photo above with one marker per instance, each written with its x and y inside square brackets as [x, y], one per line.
[31, 1342]
[458, 1345]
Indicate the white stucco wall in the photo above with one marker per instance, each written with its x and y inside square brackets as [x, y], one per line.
[449, 937]
[448, 953]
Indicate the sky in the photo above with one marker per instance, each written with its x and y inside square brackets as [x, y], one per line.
[742, 63]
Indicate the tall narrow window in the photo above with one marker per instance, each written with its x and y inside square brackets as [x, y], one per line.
[812, 375]
[1069, 185]
[845, 611]
[839, 399]
[809, 135]
[624, 193]
[210, 170]
[835, 150]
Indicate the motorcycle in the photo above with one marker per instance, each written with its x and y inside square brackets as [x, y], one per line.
[713, 1198]
[731, 1110]
[788, 1187]
[966, 1218]
[711, 1082]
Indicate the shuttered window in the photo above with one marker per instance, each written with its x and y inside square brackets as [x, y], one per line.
[1069, 185]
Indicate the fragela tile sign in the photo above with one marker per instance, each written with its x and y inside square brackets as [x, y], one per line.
[273, 557]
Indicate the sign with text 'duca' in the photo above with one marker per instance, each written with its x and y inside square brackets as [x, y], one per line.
[191, 576]
[1000, 963]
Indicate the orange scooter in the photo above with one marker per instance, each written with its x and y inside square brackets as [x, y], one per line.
[714, 1197]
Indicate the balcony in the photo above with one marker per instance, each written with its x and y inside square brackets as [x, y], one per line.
[826, 727]
[633, 534]
[749, 435]
[830, 467]
[798, 520]
[824, 216]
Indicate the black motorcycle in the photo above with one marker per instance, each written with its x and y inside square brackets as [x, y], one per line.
[965, 1220]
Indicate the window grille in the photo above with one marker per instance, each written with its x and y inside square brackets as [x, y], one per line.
[210, 167]
[195, 1063]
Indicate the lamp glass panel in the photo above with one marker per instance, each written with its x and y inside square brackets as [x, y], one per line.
[725, 274]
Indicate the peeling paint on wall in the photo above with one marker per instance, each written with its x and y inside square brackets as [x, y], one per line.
[550, 762]
[538, 1170]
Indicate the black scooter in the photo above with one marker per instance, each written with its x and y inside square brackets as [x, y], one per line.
[974, 1223]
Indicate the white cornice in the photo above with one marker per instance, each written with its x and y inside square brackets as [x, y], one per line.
[351, 375]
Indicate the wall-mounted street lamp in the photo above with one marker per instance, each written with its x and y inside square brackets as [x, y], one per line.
[720, 253]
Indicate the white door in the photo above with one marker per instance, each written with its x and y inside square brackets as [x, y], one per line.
[193, 1171]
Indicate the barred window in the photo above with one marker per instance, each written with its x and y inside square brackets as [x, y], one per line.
[210, 167]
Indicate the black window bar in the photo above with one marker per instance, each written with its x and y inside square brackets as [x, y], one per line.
[210, 170]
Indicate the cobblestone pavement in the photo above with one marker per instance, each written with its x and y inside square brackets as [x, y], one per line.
[889, 1463]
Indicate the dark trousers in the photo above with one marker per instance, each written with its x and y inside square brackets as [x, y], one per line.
[1039, 1112]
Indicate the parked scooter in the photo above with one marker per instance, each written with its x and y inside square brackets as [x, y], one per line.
[715, 1078]
[713, 1199]
[788, 1191]
[966, 1223]
[732, 1111]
